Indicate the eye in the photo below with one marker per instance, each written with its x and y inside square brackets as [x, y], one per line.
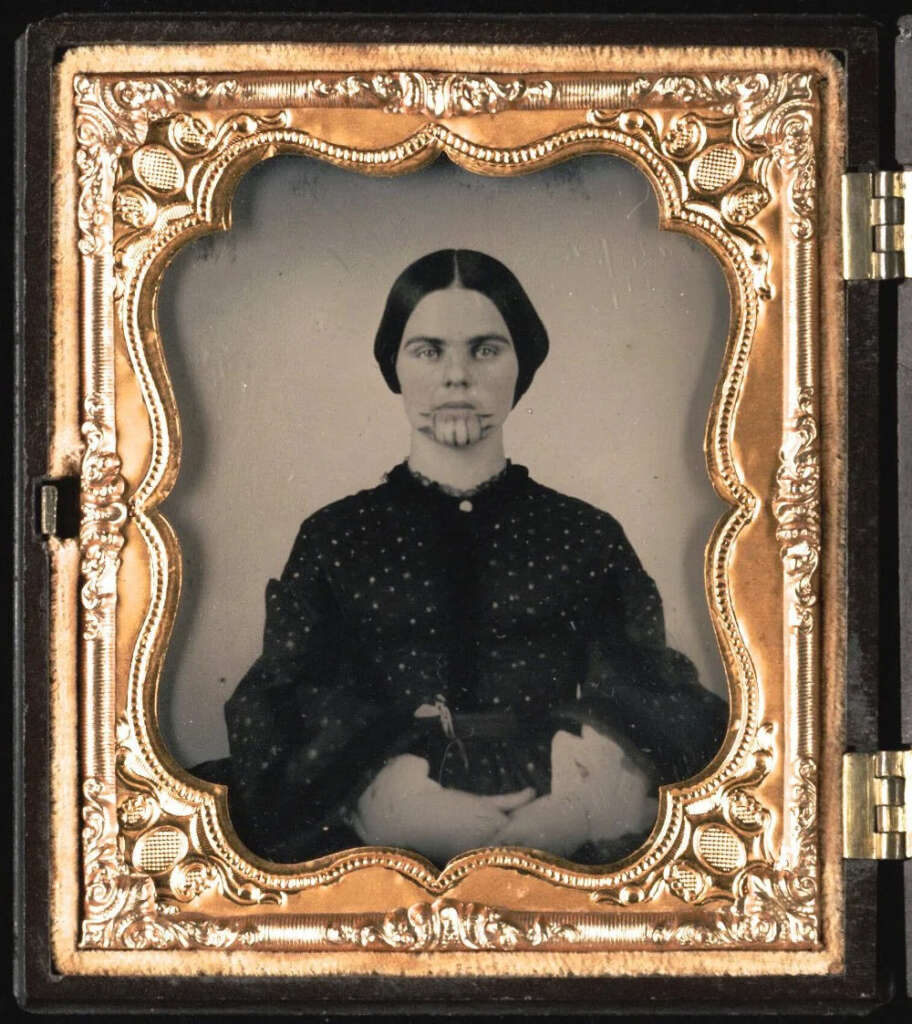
[487, 350]
[426, 352]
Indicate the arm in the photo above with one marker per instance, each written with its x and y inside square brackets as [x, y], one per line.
[638, 688]
[301, 726]
[643, 718]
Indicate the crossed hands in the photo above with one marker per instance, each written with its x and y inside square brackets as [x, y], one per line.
[596, 793]
[404, 807]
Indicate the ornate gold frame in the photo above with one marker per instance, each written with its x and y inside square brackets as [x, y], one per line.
[741, 151]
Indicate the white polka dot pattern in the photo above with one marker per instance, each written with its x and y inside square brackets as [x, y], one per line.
[528, 610]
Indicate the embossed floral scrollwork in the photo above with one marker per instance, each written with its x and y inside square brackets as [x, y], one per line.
[111, 892]
[191, 878]
[120, 907]
[774, 903]
[104, 513]
[191, 136]
[137, 810]
[203, 88]
[115, 118]
[712, 176]
[187, 933]
[750, 97]
[797, 509]
[770, 909]
[450, 924]
[804, 825]
[171, 174]
[416, 92]
[96, 160]
[686, 881]
[193, 868]
[684, 136]
[776, 111]
[746, 811]
[772, 113]
[137, 100]
[798, 158]
[134, 207]
[109, 118]
[744, 202]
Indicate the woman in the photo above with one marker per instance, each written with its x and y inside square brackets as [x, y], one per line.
[461, 656]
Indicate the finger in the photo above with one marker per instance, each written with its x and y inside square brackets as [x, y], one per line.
[510, 801]
[490, 821]
[510, 835]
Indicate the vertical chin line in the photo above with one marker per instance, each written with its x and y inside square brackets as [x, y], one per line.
[450, 444]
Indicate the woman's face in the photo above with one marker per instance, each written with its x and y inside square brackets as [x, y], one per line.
[457, 367]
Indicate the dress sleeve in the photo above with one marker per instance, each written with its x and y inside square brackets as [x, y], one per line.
[636, 686]
[301, 726]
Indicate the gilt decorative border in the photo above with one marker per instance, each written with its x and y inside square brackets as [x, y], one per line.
[157, 158]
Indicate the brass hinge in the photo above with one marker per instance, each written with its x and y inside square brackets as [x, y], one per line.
[877, 805]
[876, 225]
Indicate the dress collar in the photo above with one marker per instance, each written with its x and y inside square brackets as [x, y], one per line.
[511, 479]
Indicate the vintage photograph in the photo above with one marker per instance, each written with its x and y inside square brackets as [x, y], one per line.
[458, 587]
[449, 429]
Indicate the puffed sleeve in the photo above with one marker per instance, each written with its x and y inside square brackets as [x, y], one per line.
[638, 687]
[304, 732]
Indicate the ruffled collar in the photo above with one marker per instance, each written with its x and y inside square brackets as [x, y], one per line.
[495, 489]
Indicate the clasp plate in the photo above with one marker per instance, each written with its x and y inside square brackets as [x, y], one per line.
[57, 507]
[877, 805]
[47, 510]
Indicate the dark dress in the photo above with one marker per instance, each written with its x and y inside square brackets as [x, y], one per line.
[519, 612]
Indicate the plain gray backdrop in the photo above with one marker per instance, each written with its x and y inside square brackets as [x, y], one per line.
[268, 332]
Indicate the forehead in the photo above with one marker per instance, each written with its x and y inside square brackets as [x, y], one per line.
[453, 314]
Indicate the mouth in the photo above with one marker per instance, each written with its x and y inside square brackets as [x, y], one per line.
[455, 405]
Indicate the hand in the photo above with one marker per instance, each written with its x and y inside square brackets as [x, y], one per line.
[614, 791]
[555, 823]
[403, 807]
[596, 793]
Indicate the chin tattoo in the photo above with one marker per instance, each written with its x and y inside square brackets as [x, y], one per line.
[457, 428]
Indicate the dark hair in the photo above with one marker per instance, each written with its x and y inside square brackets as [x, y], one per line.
[468, 269]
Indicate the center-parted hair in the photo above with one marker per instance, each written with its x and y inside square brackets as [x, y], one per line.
[479, 272]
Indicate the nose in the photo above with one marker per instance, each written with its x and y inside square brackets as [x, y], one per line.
[456, 371]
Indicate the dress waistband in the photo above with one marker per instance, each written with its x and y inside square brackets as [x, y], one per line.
[492, 724]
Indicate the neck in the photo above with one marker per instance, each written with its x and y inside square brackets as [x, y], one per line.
[461, 468]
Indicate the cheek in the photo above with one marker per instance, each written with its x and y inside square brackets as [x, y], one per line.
[504, 379]
[414, 381]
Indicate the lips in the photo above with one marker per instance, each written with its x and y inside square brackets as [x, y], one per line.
[454, 405]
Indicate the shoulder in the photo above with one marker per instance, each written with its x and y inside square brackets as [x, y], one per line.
[574, 511]
[594, 534]
[363, 507]
[349, 524]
